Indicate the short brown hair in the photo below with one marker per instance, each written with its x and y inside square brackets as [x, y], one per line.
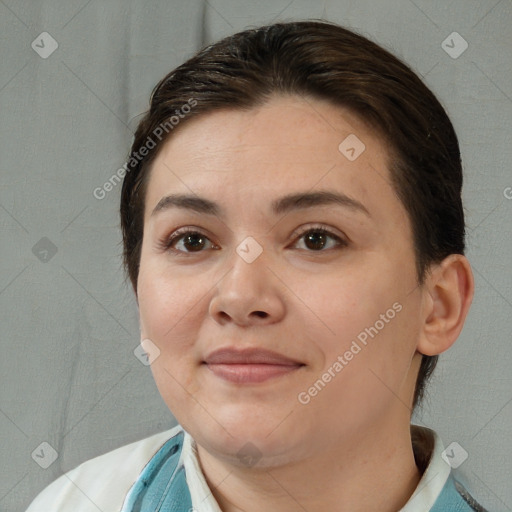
[323, 60]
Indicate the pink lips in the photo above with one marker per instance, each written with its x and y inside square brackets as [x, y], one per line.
[249, 365]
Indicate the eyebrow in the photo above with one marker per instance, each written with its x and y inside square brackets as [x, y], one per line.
[285, 204]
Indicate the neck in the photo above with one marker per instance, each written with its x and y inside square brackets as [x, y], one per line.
[372, 470]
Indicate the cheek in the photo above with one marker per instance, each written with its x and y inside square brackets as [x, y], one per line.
[368, 318]
[342, 304]
[170, 309]
[167, 299]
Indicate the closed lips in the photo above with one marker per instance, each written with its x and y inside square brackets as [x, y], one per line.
[249, 356]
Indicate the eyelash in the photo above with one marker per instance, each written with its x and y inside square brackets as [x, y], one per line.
[180, 233]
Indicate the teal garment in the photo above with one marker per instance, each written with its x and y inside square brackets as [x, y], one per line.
[162, 486]
[455, 498]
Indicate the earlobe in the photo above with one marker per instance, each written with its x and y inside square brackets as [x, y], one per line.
[448, 292]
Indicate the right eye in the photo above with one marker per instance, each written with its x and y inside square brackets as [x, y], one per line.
[188, 238]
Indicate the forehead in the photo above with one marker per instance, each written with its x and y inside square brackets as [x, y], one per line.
[243, 158]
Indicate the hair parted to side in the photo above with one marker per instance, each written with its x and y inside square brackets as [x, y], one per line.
[322, 60]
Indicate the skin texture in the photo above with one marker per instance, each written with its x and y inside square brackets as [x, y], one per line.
[307, 303]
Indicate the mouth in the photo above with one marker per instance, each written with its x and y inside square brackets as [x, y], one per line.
[250, 366]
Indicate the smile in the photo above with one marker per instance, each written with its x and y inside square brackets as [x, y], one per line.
[250, 365]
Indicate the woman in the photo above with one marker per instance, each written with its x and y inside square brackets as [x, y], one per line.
[294, 234]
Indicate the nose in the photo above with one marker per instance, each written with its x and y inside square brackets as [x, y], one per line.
[249, 293]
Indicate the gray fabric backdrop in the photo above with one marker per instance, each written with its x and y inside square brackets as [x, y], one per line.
[68, 321]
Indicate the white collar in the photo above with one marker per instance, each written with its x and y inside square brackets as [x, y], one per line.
[428, 490]
[434, 477]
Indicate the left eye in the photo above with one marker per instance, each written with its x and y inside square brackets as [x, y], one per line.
[316, 237]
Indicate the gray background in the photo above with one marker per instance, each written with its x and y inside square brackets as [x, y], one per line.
[69, 322]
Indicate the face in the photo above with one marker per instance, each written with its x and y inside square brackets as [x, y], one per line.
[328, 286]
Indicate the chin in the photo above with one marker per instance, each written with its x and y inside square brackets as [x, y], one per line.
[250, 451]
[243, 435]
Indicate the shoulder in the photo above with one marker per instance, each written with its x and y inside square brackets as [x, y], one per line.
[102, 482]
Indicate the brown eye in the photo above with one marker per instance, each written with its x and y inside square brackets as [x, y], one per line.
[191, 241]
[317, 239]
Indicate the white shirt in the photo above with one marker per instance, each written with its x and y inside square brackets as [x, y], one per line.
[102, 483]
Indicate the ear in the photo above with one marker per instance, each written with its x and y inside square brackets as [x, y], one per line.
[447, 294]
